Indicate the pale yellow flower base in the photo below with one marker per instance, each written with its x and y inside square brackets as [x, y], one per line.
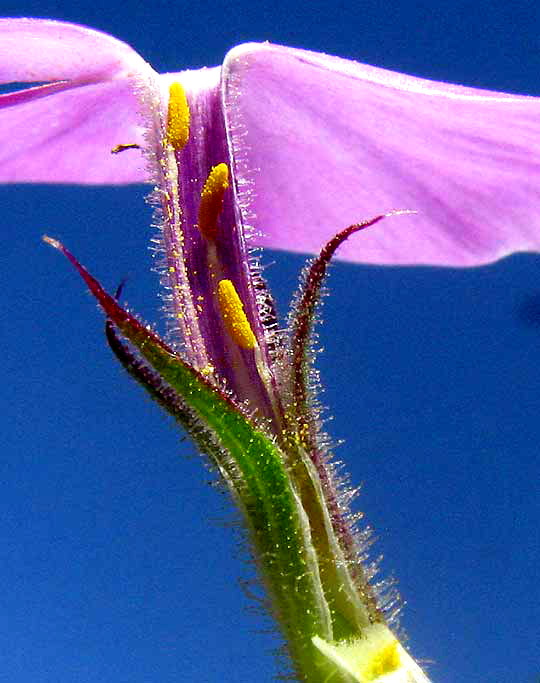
[375, 657]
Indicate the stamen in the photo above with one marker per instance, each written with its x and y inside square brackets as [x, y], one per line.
[122, 148]
[177, 117]
[234, 317]
[212, 200]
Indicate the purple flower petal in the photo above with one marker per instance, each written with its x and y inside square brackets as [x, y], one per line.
[316, 143]
[64, 131]
[44, 50]
[320, 143]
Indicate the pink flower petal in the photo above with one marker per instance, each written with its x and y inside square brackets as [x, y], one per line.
[64, 131]
[316, 143]
[34, 50]
[319, 143]
[67, 137]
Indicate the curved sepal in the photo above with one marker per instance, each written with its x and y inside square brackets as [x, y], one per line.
[254, 467]
[303, 313]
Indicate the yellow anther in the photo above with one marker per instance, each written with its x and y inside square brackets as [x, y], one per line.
[177, 117]
[234, 317]
[212, 200]
[383, 662]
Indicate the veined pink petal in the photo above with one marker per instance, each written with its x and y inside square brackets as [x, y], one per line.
[64, 131]
[319, 143]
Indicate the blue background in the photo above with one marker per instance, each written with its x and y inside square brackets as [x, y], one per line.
[119, 562]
